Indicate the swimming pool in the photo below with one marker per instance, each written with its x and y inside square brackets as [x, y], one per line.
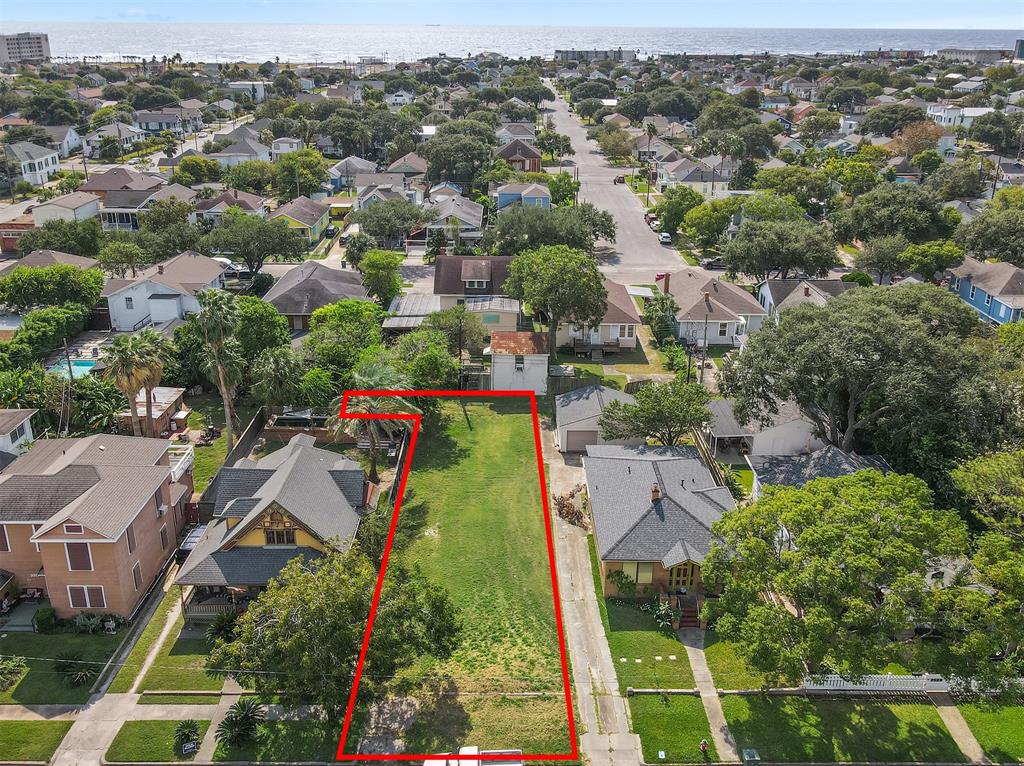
[79, 367]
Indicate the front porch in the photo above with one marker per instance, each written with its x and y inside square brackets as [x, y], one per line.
[595, 351]
[203, 603]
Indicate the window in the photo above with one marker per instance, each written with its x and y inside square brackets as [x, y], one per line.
[625, 331]
[73, 529]
[640, 572]
[476, 284]
[520, 362]
[18, 433]
[279, 536]
[956, 284]
[137, 575]
[988, 299]
[723, 328]
[163, 537]
[79, 557]
[973, 291]
[87, 596]
[490, 318]
[129, 303]
[129, 535]
[5, 546]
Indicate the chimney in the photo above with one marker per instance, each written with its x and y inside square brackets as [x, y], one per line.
[655, 493]
[235, 192]
[807, 291]
[668, 278]
[159, 268]
[707, 299]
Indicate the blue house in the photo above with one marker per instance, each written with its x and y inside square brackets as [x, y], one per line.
[534, 195]
[994, 290]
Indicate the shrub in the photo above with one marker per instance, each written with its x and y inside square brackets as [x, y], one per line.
[11, 670]
[222, 627]
[46, 619]
[261, 283]
[75, 670]
[664, 615]
[732, 481]
[861, 278]
[185, 731]
[622, 582]
[87, 622]
[240, 722]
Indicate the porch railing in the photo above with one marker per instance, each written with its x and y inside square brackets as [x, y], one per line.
[182, 457]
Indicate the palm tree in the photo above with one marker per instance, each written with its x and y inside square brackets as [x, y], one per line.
[652, 131]
[216, 319]
[155, 350]
[374, 375]
[125, 367]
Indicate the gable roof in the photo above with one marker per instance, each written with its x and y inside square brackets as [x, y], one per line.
[793, 292]
[42, 258]
[232, 198]
[120, 178]
[303, 209]
[450, 274]
[187, 273]
[412, 161]
[631, 526]
[583, 406]
[311, 285]
[699, 296]
[71, 201]
[621, 308]
[24, 151]
[1003, 280]
[518, 149]
[12, 418]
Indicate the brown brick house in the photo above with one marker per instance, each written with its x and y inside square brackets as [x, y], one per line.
[90, 522]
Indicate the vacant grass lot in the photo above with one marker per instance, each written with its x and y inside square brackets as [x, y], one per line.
[675, 725]
[179, 665]
[798, 729]
[31, 740]
[473, 521]
[148, 741]
[999, 730]
[41, 685]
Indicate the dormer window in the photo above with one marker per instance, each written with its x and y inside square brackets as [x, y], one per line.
[278, 530]
[475, 284]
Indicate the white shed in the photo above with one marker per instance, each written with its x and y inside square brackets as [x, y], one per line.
[519, 361]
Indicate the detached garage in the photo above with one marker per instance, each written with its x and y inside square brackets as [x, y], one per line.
[577, 413]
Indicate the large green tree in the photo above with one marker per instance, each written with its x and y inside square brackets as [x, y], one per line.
[23, 288]
[665, 412]
[254, 240]
[905, 209]
[997, 233]
[763, 249]
[75, 237]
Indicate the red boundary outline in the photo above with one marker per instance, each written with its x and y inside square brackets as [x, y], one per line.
[417, 419]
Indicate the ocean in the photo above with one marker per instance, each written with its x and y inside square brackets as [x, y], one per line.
[220, 42]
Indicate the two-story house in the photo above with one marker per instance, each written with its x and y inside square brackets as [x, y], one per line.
[125, 135]
[122, 208]
[520, 155]
[91, 522]
[213, 209]
[298, 501]
[712, 312]
[475, 281]
[994, 290]
[31, 162]
[284, 145]
[519, 194]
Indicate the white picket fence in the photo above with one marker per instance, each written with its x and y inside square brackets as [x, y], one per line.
[888, 682]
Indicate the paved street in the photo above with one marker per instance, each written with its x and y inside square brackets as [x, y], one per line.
[637, 255]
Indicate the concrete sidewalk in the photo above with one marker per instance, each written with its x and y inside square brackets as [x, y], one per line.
[693, 639]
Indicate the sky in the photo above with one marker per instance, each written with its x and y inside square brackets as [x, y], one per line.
[881, 14]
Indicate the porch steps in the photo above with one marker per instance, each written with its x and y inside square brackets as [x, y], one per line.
[597, 355]
[689, 618]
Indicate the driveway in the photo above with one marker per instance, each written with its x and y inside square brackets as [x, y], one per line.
[637, 255]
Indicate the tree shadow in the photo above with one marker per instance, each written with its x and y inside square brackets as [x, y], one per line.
[437, 448]
[442, 724]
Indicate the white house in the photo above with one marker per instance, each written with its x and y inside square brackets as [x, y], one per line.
[241, 151]
[76, 206]
[126, 135]
[15, 433]
[788, 432]
[400, 98]
[617, 330]
[774, 295]
[64, 139]
[712, 312]
[255, 89]
[949, 116]
[519, 361]
[284, 145]
[161, 292]
[35, 163]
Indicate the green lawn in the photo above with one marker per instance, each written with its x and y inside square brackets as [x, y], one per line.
[31, 740]
[746, 477]
[289, 741]
[148, 741]
[593, 372]
[726, 666]
[637, 361]
[634, 635]
[473, 522]
[675, 725]
[180, 666]
[179, 699]
[133, 662]
[40, 685]
[799, 729]
[208, 409]
[999, 730]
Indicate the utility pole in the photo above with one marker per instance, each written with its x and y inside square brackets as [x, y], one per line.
[704, 350]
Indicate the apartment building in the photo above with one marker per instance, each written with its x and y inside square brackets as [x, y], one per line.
[24, 48]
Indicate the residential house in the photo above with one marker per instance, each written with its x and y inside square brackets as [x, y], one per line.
[687, 172]
[461, 219]
[122, 208]
[647, 149]
[161, 292]
[786, 432]
[619, 120]
[799, 87]
[15, 434]
[792, 144]
[526, 195]
[297, 502]
[243, 150]
[994, 290]
[76, 206]
[212, 209]
[712, 312]
[41, 259]
[774, 295]
[399, 98]
[254, 89]
[796, 470]
[520, 155]
[126, 135]
[307, 216]
[170, 413]
[31, 162]
[177, 120]
[950, 116]
[168, 164]
[342, 174]
[309, 286]
[409, 165]
[618, 328]
[284, 145]
[120, 179]
[653, 508]
[519, 361]
[64, 139]
[577, 413]
[91, 522]
[458, 277]
[516, 131]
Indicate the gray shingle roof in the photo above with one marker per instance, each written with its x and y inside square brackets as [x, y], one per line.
[583, 406]
[630, 526]
[797, 470]
[308, 287]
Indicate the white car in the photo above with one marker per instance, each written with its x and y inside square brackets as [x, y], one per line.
[654, 224]
[665, 237]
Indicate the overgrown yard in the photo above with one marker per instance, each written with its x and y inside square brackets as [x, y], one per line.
[799, 729]
[674, 724]
[41, 685]
[473, 521]
[999, 730]
[31, 740]
[633, 635]
[148, 741]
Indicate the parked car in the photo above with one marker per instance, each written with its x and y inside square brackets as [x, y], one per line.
[665, 237]
[619, 180]
[330, 231]
[714, 263]
[648, 217]
[654, 223]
